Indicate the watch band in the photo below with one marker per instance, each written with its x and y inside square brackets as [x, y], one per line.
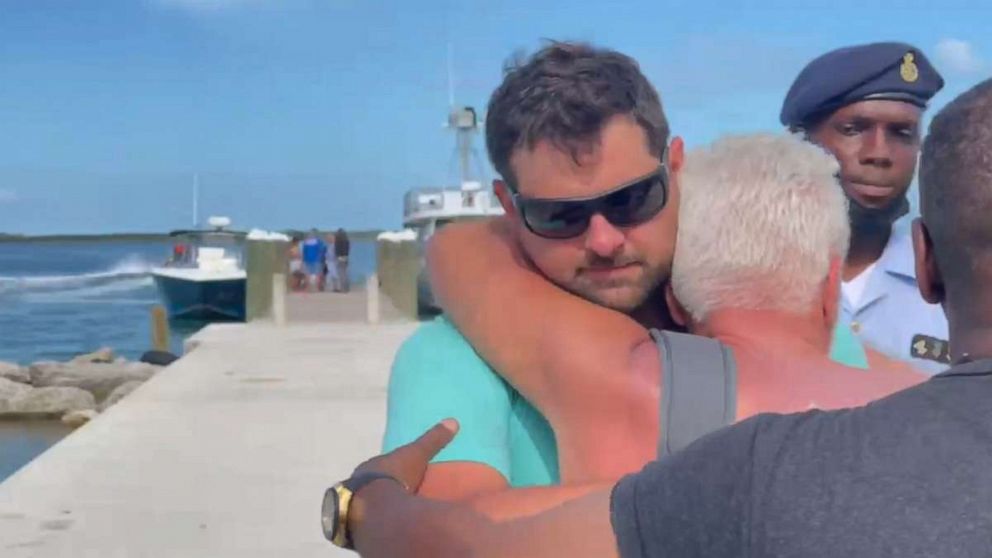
[339, 497]
[355, 483]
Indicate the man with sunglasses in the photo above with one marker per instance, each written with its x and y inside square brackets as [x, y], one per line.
[592, 190]
[579, 137]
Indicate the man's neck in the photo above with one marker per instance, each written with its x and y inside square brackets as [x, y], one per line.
[653, 312]
[769, 332]
[867, 245]
[971, 342]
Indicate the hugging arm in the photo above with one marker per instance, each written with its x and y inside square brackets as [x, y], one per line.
[593, 372]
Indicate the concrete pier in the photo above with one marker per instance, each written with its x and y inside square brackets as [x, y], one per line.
[225, 453]
[325, 307]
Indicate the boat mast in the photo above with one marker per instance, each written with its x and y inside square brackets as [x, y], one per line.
[196, 200]
[465, 123]
[451, 81]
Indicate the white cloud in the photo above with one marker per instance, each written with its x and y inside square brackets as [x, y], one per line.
[7, 196]
[958, 56]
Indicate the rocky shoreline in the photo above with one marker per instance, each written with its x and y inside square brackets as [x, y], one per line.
[74, 392]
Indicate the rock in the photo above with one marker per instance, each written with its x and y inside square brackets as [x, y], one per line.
[14, 372]
[159, 358]
[40, 369]
[46, 402]
[119, 393]
[76, 419]
[97, 378]
[10, 389]
[105, 355]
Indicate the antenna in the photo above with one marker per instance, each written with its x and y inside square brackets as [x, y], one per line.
[451, 79]
[196, 199]
[465, 122]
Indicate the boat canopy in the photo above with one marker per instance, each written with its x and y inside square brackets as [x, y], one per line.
[207, 233]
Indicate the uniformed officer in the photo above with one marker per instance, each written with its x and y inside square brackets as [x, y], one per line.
[864, 104]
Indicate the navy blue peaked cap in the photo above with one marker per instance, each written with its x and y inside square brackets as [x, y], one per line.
[892, 71]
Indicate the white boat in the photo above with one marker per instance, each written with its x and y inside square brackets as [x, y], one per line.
[205, 277]
[426, 210]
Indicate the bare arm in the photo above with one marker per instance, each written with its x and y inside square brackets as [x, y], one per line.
[390, 523]
[513, 315]
[577, 371]
[579, 528]
[488, 493]
[461, 481]
[509, 312]
[386, 521]
[516, 503]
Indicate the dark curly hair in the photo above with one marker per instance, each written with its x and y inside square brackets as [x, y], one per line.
[565, 93]
[956, 186]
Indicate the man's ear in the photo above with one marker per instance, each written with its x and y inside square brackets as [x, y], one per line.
[676, 154]
[928, 277]
[675, 308]
[505, 196]
[831, 292]
[675, 159]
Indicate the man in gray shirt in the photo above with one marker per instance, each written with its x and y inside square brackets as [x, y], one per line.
[908, 475]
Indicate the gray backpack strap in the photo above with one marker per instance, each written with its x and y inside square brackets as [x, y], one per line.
[699, 388]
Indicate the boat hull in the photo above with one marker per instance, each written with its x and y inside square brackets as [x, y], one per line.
[209, 300]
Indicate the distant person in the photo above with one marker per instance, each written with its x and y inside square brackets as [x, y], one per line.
[330, 265]
[314, 252]
[178, 254]
[297, 277]
[342, 249]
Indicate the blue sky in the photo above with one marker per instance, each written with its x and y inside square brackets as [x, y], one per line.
[299, 113]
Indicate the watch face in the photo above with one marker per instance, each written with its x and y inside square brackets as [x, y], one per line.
[329, 513]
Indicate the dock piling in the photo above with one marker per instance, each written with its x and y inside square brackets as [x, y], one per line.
[160, 328]
[372, 298]
[279, 299]
[267, 260]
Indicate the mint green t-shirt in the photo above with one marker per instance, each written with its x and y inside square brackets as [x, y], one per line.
[437, 374]
[847, 349]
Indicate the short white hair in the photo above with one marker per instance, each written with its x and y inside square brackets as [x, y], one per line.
[761, 217]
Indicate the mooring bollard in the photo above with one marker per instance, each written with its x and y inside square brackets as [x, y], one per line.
[372, 298]
[279, 299]
[160, 328]
[267, 259]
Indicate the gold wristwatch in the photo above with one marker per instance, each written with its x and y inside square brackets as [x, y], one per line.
[337, 502]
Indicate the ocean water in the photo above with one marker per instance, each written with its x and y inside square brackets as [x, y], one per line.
[61, 299]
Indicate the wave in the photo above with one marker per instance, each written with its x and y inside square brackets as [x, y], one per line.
[129, 274]
[105, 293]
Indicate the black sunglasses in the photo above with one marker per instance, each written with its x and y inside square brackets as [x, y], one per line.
[626, 205]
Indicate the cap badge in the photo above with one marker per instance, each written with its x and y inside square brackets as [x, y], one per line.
[908, 69]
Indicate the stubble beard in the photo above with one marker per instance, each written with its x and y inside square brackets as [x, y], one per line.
[623, 296]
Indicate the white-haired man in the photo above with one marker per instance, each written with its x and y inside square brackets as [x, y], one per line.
[763, 233]
[905, 476]
[762, 237]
